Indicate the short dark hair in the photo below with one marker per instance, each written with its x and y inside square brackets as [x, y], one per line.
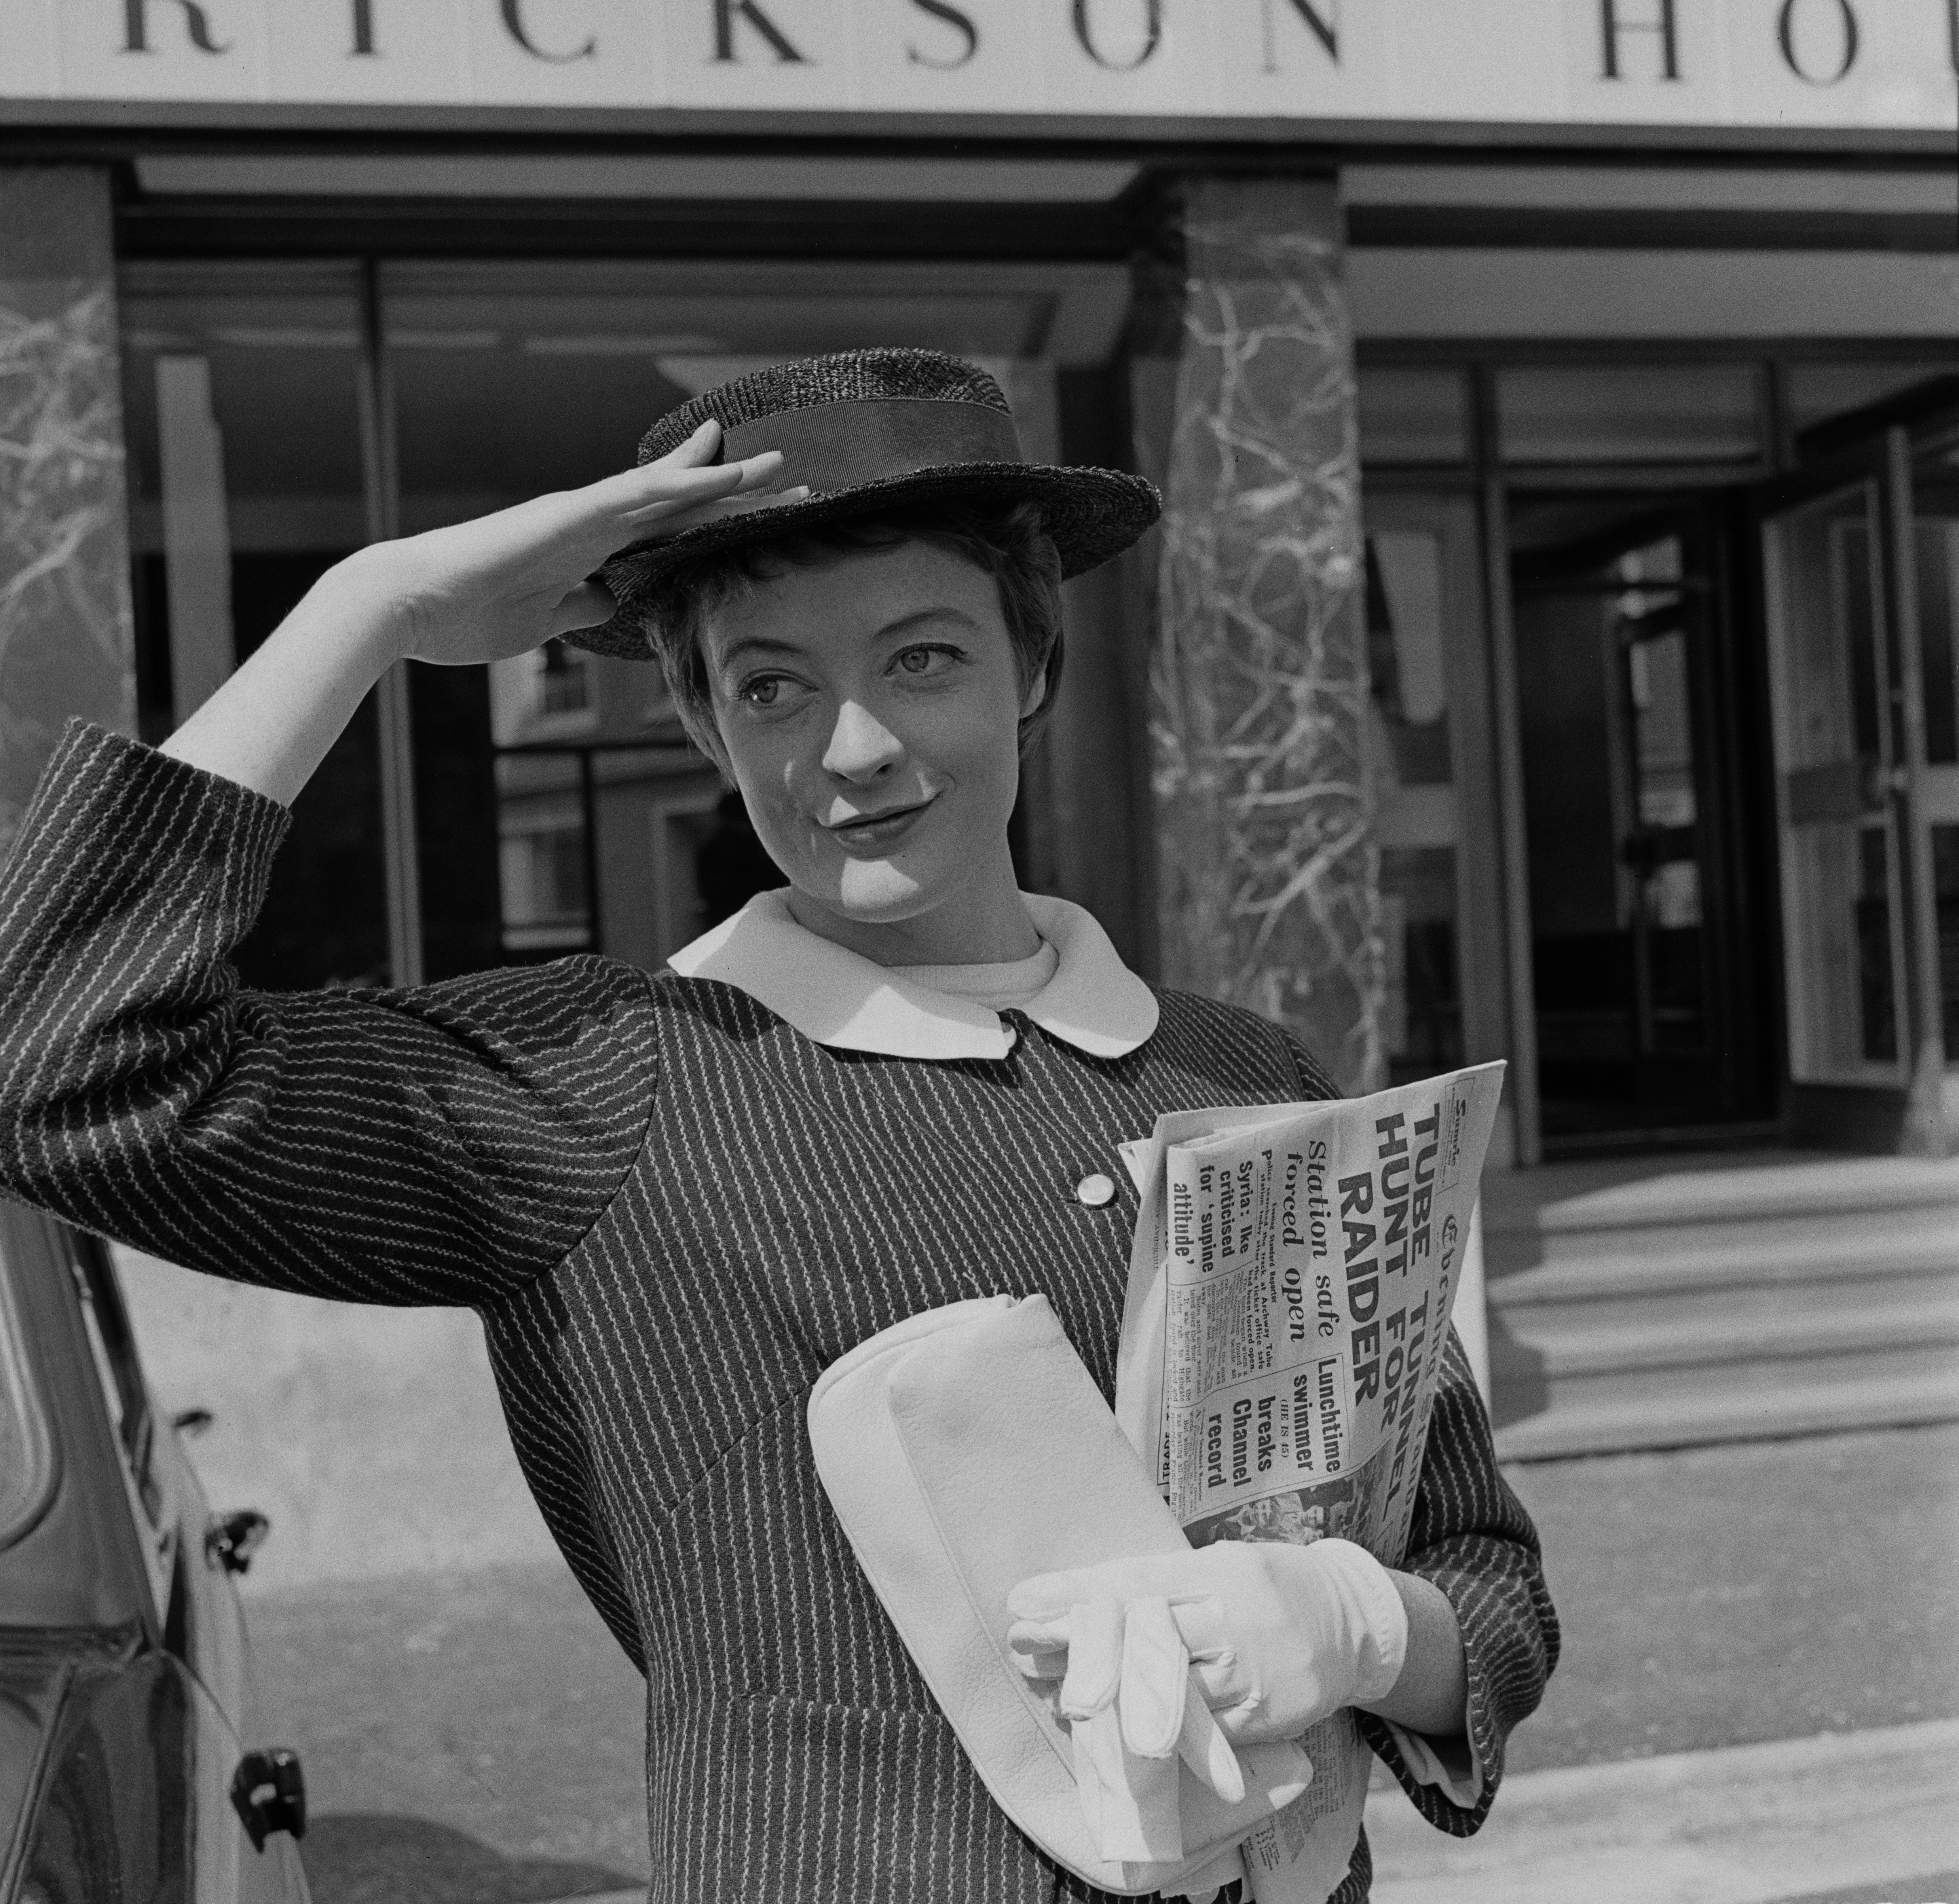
[1005, 541]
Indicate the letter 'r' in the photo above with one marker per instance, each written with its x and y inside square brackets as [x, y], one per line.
[197, 24]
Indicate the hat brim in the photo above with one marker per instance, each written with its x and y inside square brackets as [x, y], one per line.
[1090, 514]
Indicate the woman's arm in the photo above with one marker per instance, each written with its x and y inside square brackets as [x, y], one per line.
[1472, 1545]
[1432, 1696]
[438, 1145]
[480, 590]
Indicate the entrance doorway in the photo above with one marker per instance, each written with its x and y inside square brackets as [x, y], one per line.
[1862, 567]
[1647, 1016]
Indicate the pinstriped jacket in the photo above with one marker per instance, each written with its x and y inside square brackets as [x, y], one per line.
[672, 1211]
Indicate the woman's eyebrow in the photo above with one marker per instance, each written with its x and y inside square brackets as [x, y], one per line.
[939, 612]
[754, 644]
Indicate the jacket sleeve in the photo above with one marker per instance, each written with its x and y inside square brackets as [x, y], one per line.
[1471, 1536]
[440, 1145]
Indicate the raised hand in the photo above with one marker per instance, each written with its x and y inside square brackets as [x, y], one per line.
[478, 592]
[483, 590]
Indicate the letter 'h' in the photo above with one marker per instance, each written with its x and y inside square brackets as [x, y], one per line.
[1611, 26]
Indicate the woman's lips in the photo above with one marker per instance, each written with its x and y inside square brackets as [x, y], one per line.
[877, 831]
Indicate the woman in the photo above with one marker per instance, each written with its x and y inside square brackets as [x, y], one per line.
[675, 1199]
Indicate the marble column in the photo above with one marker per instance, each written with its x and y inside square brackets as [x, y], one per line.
[1268, 874]
[65, 642]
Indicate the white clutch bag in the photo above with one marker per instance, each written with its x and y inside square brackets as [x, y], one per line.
[964, 1450]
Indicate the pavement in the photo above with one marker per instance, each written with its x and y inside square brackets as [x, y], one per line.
[1758, 1704]
[1845, 1818]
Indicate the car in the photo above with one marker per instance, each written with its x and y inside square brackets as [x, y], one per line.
[129, 1768]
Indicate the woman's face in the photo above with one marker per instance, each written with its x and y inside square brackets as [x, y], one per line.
[870, 710]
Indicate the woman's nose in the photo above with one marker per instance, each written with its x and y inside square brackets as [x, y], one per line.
[861, 746]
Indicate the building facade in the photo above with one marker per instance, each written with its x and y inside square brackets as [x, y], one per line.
[1551, 650]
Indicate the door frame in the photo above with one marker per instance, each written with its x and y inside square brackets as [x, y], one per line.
[1453, 516]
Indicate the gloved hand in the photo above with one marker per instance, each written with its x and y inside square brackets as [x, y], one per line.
[1275, 1638]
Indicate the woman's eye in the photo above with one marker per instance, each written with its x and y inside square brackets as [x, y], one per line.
[760, 692]
[927, 661]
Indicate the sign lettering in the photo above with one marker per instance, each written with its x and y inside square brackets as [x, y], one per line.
[1664, 25]
[726, 12]
[1147, 41]
[1777, 66]
[1786, 35]
[1324, 27]
[197, 24]
[962, 24]
[513, 24]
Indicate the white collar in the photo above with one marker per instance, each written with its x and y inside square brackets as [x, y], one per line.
[834, 996]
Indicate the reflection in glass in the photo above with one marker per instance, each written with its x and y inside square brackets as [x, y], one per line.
[1616, 623]
[1684, 412]
[1415, 802]
[1839, 873]
[508, 383]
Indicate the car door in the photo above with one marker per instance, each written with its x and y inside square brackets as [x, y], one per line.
[189, 1561]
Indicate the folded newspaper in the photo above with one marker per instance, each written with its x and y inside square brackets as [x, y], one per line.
[1290, 1283]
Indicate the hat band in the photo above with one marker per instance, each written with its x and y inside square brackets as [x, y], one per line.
[858, 440]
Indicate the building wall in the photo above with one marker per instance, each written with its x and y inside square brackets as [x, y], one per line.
[64, 623]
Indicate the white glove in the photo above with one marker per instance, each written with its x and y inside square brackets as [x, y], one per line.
[1275, 1638]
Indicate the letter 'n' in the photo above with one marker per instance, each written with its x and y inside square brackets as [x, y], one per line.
[1664, 25]
[197, 24]
[726, 12]
[1324, 27]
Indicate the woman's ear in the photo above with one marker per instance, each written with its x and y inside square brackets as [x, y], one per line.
[1037, 693]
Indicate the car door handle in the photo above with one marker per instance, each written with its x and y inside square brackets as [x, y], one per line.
[232, 1539]
[268, 1793]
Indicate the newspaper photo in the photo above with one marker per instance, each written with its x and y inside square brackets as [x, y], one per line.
[1290, 1283]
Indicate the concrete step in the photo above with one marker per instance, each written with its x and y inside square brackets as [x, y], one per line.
[1633, 1193]
[1658, 1272]
[1557, 1344]
[1851, 1227]
[1886, 1399]
[1676, 1388]
[1646, 1303]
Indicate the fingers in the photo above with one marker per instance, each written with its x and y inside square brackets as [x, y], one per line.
[1156, 1675]
[654, 526]
[643, 495]
[701, 447]
[1095, 1656]
[1177, 1578]
[1203, 1746]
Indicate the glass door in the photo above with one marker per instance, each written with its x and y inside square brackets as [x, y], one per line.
[1431, 761]
[1935, 500]
[1643, 953]
[1861, 583]
[1836, 768]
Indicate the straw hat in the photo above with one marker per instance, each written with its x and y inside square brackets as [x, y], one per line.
[869, 431]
